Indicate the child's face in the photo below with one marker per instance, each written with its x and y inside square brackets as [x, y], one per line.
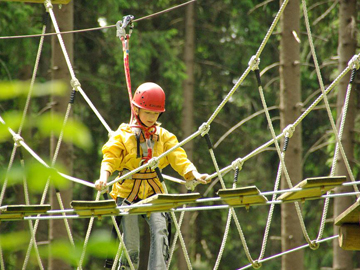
[149, 118]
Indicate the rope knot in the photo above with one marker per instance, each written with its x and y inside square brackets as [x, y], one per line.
[254, 63]
[354, 62]
[289, 131]
[256, 264]
[75, 83]
[237, 163]
[314, 245]
[204, 129]
[48, 5]
[17, 139]
[153, 163]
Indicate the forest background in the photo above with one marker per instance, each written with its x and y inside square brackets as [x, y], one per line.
[226, 35]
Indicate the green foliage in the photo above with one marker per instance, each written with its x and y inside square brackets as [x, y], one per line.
[36, 175]
[227, 34]
[18, 89]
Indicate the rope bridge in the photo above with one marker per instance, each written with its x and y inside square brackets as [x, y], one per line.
[228, 198]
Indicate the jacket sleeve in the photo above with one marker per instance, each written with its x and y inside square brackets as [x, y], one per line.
[177, 158]
[113, 154]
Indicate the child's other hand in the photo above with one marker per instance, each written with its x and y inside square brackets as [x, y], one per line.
[100, 184]
[202, 178]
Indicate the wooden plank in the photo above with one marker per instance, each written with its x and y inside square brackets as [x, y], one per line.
[95, 208]
[14, 212]
[93, 204]
[62, 2]
[350, 215]
[313, 188]
[244, 196]
[164, 202]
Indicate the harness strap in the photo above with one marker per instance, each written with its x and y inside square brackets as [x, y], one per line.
[135, 190]
[144, 176]
[155, 187]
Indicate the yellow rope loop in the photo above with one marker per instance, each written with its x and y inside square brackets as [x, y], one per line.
[153, 163]
[48, 5]
[354, 62]
[204, 129]
[254, 63]
[237, 163]
[289, 131]
[256, 264]
[314, 245]
[17, 139]
[75, 84]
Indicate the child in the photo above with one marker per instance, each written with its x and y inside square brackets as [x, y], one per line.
[131, 146]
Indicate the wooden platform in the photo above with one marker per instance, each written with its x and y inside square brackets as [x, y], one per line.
[164, 202]
[244, 196]
[95, 208]
[39, 1]
[350, 215]
[313, 188]
[349, 222]
[15, 212]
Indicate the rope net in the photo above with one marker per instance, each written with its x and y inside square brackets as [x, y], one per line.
[219, 173]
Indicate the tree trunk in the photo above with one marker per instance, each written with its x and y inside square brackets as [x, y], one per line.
[290, 97]
[60, 71]
[346, 49]
[188, 113]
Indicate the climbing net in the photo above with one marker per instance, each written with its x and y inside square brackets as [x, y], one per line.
[277, 196]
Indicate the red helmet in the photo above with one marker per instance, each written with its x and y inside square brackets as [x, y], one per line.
[149, 96]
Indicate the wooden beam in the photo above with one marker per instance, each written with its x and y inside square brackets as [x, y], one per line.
[349, 236]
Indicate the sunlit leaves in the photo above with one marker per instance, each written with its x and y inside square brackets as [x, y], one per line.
[17, 89]
[73, 131]
[36, 175]
[100, 245]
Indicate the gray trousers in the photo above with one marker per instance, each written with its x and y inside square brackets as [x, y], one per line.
[159, 243]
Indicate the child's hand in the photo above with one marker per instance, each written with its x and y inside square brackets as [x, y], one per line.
[100, 184]
[201, 177]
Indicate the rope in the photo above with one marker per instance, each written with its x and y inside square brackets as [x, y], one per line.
[99, 28]
[288, 252]
[333, 125]
[172, 249]
[178, 232]
[271, 212]
[287, 131]
[246, 72]
[121, 244]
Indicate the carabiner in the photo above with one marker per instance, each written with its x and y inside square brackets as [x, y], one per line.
[121, 25]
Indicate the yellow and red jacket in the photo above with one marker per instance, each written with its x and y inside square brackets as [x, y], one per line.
[120, 153]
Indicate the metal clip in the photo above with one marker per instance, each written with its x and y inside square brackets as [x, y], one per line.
[121, 25]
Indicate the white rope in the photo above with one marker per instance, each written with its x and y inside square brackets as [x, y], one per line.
[271, 212]
[328, 109]
[223, 242]
[172, 249]
[248, 69]
[121, 246]
[179, 234]
[289, 251]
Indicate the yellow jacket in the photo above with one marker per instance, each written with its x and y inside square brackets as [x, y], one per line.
[119, 154]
